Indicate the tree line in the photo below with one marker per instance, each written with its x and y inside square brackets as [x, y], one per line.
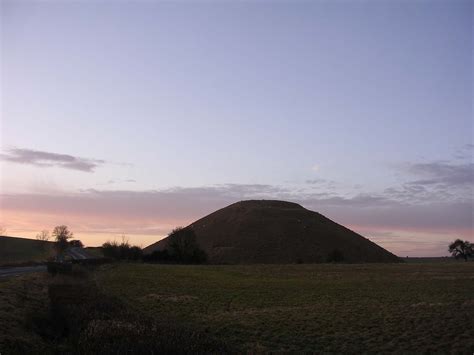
[182, 249]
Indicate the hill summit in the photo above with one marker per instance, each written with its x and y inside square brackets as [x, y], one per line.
[270, 231]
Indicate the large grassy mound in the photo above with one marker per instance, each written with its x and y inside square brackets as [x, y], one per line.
[266, 231]
[317, 308]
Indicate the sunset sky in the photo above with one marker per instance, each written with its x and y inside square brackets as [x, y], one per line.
[135, 117]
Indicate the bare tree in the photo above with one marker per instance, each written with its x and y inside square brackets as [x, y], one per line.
[62, 234]
[461, 249]
[43, 236]
[3, 230]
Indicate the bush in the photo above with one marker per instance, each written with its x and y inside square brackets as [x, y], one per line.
[122, 251]
[183, 247]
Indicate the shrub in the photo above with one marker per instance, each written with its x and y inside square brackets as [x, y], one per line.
[122, 251]
[183, 247]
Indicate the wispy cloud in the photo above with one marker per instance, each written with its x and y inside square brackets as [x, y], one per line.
[432, 182]
[118, 181]
[321, 183]
[48, 159]
[465, 152]
[442, 173]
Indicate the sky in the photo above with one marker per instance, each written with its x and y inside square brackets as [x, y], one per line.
[134, 117]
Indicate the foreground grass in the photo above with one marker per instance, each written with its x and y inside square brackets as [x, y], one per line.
[68, 314]
[23, 300]
[323, 308]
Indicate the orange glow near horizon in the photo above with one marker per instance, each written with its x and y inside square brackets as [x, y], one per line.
[92, 231]
[95, 230]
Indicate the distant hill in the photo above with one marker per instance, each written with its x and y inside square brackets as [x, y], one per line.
[268, 231]
[18, 250]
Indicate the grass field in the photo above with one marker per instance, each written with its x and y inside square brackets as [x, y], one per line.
[19, 250]
[322, 308]
[67, 314]
[22, 299]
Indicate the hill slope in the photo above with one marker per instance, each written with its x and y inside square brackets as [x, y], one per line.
[267, 231]
[18, 250]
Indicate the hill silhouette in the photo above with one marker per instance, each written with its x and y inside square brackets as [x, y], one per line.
[18, 250]
[270, 231]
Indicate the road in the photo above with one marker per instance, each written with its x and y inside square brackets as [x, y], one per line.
[19, 270]
[75, 253]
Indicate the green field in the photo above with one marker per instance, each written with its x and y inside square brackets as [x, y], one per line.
[20, 250]
[322, 308]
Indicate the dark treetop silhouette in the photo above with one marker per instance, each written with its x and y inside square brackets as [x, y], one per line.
[461, 249]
